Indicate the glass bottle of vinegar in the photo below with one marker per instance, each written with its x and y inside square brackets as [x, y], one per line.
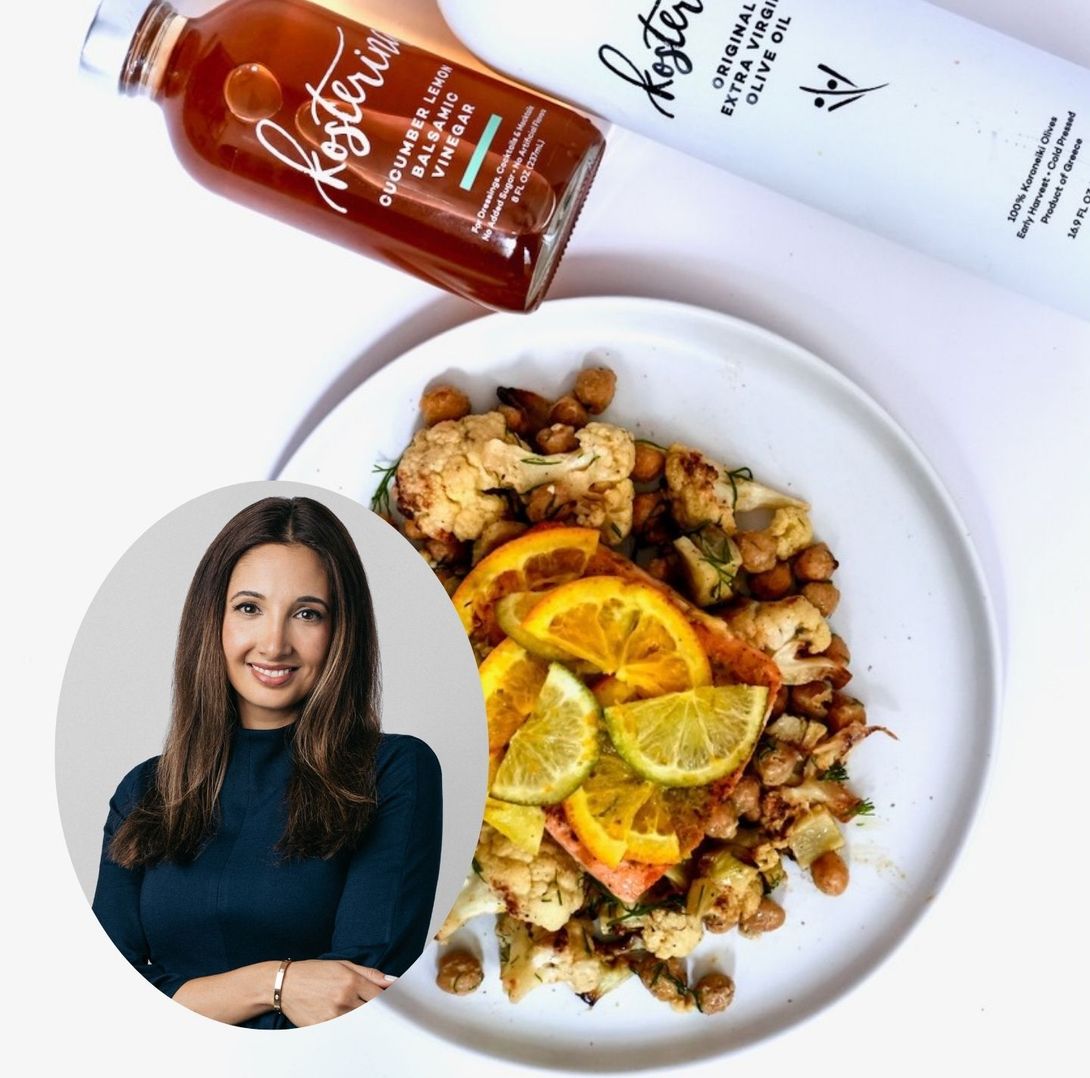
[344, 131]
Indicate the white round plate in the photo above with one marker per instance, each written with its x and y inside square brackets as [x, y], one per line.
[914, 612]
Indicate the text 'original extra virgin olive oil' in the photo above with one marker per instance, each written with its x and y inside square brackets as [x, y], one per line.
[894, 114]
[347, 132]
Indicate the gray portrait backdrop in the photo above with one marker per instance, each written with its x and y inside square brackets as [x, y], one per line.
[115, 701]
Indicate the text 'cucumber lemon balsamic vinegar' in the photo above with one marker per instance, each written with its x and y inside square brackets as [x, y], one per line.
[344, 131]
[896, 115]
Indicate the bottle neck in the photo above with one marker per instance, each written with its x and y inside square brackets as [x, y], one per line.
[152, 45]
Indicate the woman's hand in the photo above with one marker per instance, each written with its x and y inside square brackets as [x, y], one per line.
[316, 989]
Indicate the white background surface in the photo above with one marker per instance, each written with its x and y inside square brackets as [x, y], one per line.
[161, 342]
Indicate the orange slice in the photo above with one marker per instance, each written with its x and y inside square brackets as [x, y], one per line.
[652, 839]
[601, 811]
[628, 630]
[511, 680]
[536, 561]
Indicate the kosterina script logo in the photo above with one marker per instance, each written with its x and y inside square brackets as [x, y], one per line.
[838, 90]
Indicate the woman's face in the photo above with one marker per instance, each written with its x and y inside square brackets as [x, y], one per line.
[276, 631]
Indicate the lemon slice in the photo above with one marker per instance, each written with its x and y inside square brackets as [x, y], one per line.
[554, 750]
[536, 561]
[511, 680]
[629, 630]
[601, 811]
[524, 825]
[689, 738]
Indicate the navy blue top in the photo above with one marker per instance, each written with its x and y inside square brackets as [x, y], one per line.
[237, 903]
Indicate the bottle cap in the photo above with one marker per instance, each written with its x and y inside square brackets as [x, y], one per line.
[109, 38]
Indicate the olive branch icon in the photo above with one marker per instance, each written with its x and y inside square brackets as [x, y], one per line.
[833, 88]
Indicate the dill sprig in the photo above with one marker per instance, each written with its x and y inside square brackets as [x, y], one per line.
[745, 474]
[380, 500]
[538, 460]
[719, 559]
[837, 773]
[864, 808]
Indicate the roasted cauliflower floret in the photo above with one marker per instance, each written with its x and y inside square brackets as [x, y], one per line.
[793, 632]
[545, 888]
[530, 956]
[710, 561]
[670, 933]
[444, 486]
[593, 479]
[702, 491]
[790, 527]
[475, 898]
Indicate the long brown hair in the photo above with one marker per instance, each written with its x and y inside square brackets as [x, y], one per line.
[331, 797]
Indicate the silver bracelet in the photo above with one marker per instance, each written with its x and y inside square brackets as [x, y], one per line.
[278, 984]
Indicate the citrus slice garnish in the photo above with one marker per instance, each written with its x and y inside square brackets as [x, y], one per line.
[629, 630]
[536, 561]
[601, 811]
[652, 839]
[511, 680]
[510, 612]
[524, 825]
[551, 753]
[689, 738]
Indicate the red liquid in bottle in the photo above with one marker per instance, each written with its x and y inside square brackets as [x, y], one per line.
[341, 130]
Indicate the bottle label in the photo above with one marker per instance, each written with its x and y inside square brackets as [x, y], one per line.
[333, 120]
[899, 116]
[434, 141]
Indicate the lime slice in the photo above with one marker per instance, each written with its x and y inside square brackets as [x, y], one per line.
[554, 750]
[524, 825]
[689, 738]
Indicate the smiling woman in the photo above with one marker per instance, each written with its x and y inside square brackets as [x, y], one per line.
[276, 865]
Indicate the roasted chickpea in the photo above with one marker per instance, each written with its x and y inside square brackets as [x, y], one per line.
[767, 917]
[721, 821]
[825, 596]
[556, 438]
[514, 417]
[569, 411]
[844, 710]
[714, 993]
[594, 388]
[815, 563]
[542, 505]
[838, 650]
[773, 584]
[758, 551]
[830, 873]
[459, 973]
[445, 551]
[645, 507]
[746, 797]
[650, 462]
[811, 700]
[778, 764]
[664, 978]
[443, 402]
[779, 705]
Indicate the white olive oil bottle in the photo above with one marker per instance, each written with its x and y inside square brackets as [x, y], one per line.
[893, 114]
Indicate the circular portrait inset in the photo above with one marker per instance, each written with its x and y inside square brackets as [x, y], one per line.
[271, 755]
